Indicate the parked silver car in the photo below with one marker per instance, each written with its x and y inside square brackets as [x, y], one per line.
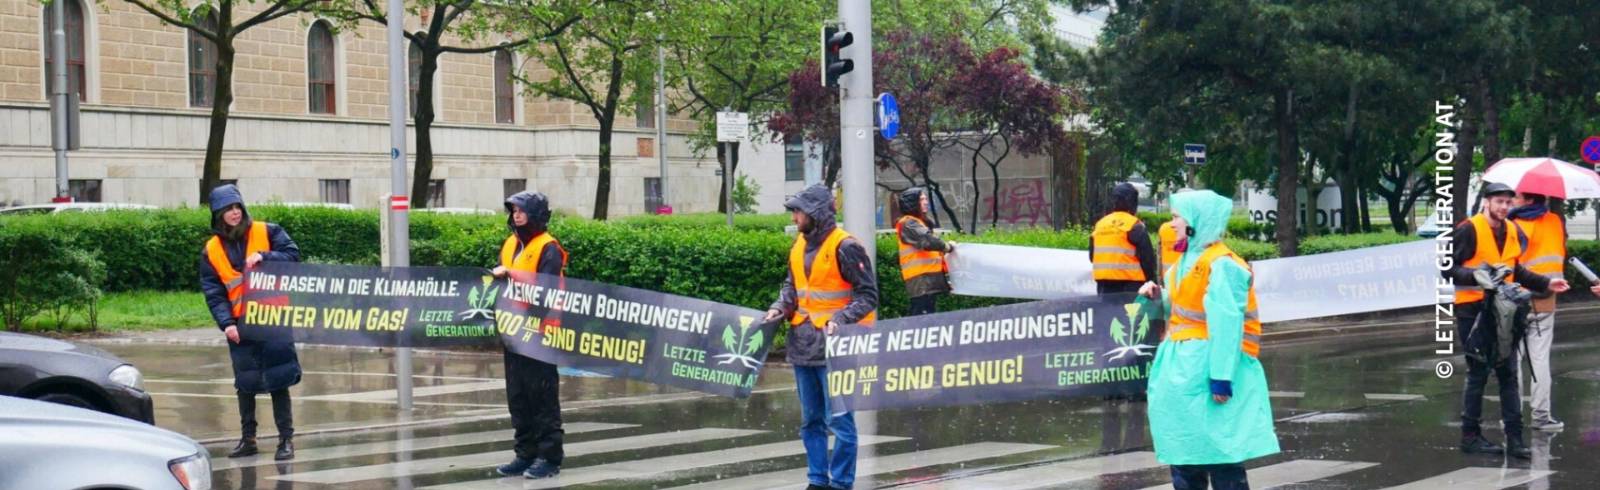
[47, 445]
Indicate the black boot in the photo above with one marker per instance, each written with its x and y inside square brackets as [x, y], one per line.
[1518, 449]
[1477, 444]
[246, 447]
[285, 450]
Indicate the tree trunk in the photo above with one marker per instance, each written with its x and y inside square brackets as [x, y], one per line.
[1461, 172]
[831, 162]
[976, 194]
[1491, 121]
[934, 187]
[1288, 170]
[730, 164]
[1349, 204]
[221, 98]
[423, 118]
[602, 188]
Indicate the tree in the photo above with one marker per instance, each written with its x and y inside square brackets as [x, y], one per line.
[222, 22]
[604, 62]
[469, 21]
[1008, 108]
[737, 55]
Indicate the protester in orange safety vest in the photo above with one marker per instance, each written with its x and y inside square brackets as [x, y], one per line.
[237, 244]
[1119, 247]
[533, 387]
[830, 283]
[1545, 255]
[921, 253]
[1488, 239]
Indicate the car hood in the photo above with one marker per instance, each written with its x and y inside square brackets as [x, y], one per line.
[34, 343]
[23, 419]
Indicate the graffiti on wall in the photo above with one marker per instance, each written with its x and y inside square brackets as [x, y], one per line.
[1023, 202]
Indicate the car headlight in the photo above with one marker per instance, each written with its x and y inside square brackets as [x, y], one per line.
[129, 376]
[193, 472]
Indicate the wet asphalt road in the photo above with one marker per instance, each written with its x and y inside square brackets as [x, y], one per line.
[1354, 411]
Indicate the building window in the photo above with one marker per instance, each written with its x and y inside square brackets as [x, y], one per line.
[505, 99]
[652, 195]
[320, 68]
[413, 74]
[646, 112]
[75, 57]
[794, 160]
[513, 186]
[202, 63]
[436, 193]
[335, 190]
[84, 190]
[220, 182]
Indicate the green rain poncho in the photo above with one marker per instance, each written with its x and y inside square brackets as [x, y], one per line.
[1189, 427]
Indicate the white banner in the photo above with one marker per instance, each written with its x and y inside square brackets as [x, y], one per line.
[1340, 283]
[1006, 271]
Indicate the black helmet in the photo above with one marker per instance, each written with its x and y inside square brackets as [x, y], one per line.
[1496, 188]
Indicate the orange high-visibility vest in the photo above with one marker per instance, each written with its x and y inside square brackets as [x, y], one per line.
[255, 242]
[528, 260]
[1486, 254]
[824, 292]
[1169, 246]
[915, 261]
[1188, 320]
[1547, 245]
[1114, 258]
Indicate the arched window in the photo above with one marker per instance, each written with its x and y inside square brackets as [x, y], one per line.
[414, 74]
[505, 100]
[76, 80]
[320, 76]
[202, 63]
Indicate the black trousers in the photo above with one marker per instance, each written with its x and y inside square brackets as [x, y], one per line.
[923, 305]
[282, 414]
[1505, 373]
[534, 397]
[1221, 476]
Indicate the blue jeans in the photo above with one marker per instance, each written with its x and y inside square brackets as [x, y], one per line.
[840, 471]
[1219, 476]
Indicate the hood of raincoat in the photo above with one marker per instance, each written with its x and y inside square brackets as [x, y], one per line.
[817, 203]
[1207, 214]
[911, 202]
[1125, 198]
[222, 197]
[536, 206]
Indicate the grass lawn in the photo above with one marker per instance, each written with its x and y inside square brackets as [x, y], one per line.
[137, 310]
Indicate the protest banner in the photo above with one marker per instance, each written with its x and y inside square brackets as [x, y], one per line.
[369, 306]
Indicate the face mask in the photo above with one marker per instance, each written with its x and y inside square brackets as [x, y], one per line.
[1182, 245]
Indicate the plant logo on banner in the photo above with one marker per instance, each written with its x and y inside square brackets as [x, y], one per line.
[481, 301]
[1129, 331]
[743, 344]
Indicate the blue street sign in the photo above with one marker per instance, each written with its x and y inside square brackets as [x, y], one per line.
[888, 116]
[1194, 154]
[1591, 150]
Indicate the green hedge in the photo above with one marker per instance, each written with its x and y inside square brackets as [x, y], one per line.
[691, 255]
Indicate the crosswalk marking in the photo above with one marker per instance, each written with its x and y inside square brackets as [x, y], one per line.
[1395, 397]
[1477, 479]
[877, 466]
[656, 466]
[420, 391]
[490, 459]
[314, 453]
[1052, 474]
[1300, 470]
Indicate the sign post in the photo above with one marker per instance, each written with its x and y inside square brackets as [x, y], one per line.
[732, 127]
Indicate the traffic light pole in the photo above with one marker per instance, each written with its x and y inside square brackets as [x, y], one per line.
[855, 149]
[58, 95]
[400, 204]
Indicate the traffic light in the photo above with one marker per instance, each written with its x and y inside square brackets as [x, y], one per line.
[834, 40]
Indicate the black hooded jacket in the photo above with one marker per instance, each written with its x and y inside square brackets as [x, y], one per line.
[806, 345]
[537, 207]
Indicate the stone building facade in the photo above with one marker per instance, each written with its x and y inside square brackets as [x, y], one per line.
[144, 120]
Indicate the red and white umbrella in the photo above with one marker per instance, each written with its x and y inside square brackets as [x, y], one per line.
[1546, 176]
